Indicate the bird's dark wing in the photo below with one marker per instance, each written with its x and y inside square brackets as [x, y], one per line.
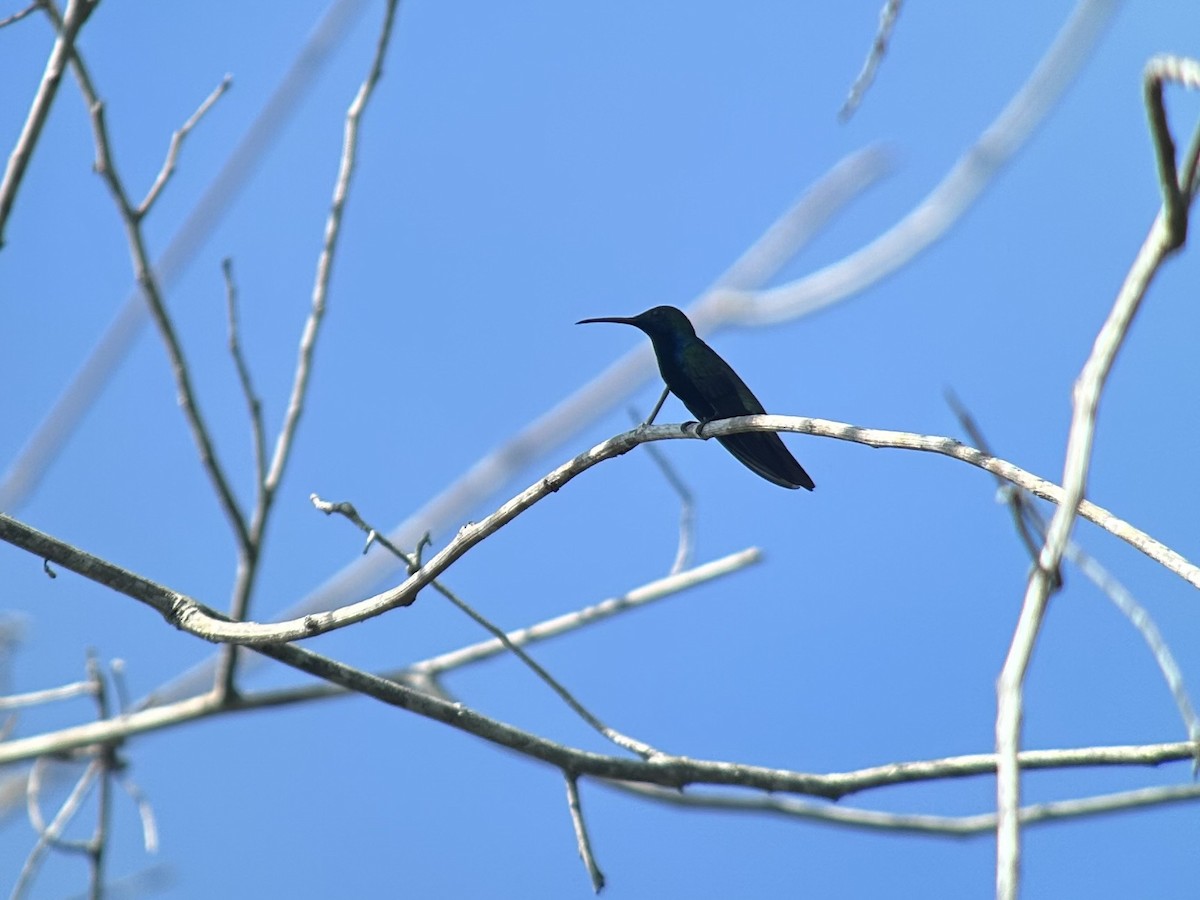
[710, 389]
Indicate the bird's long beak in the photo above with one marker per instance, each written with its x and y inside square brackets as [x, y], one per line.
[617, 319]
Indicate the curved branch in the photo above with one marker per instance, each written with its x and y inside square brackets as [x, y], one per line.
[194, 617]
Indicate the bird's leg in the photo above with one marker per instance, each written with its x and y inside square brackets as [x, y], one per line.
[657, 406]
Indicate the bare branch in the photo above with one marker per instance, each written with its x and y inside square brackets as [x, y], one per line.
[687, 501]
[177, 139]
[253, 401]
[97, 846]
[50, 835]
[1175, 204]
[916, 823]
[64, 46]
[655, 590]
[145, 813]
[582, 840]
[21, 14]
[1123, 599]
[1029, 522]
[48, 695]
[866, 77]
[200, 620]
[927, 222]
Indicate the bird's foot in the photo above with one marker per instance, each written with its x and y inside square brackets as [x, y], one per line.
[696, 428]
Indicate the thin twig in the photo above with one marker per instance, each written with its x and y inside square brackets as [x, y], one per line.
[97, 845]
[932, 218]
[655, 590]
[916, 823]
[253, 401]
[866, 76]
[145, 813]
[1164, 239]
[1123, 599]
[64, 46]
[582, 840]
[687, 502]
[177, 139]
[21, 14]
[47, 695]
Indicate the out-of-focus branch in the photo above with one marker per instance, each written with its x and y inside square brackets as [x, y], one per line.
[866, 77]
[64, 46]
[929, 221]
[1165, 237]
[687, 501]
[1031, 527]
[50, 835]
[21, 14]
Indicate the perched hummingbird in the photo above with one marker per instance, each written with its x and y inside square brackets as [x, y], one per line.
[711, 390]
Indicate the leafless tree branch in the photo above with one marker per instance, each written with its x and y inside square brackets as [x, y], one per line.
[582, 840]
[64, 46]
[196, 618]
[866, 77]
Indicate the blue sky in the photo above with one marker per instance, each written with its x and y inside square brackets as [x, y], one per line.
[522, 168]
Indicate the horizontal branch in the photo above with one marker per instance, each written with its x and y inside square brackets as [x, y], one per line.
[918, 823]
[674, 772]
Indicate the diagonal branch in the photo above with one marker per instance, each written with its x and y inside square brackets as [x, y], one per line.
[64, 47]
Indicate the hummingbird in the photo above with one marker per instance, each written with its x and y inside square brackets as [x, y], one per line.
[711, 390]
